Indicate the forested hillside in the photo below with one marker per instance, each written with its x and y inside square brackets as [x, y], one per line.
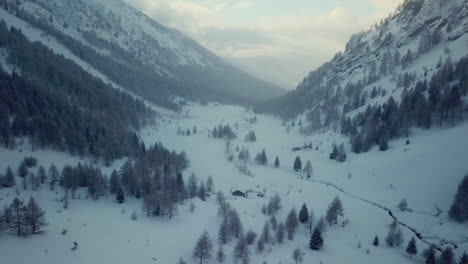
[56, 104]
[139, 54]
[409, 70]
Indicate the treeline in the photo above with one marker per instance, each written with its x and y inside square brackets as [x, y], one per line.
[438, 101]
[60, 106]
[224, 132]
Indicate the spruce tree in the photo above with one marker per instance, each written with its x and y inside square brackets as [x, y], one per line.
[316, 239]
[459, 209]
[412, 249]
[277, 162]
[303, 214]
[376, 241]
[297, 164]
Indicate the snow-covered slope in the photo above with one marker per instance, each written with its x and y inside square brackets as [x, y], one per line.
[379, 180]
[136, 52]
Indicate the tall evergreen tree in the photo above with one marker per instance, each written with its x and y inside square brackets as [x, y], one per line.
[303, 214]
[297, 164]
[277, 162]
[316, 239]
[412, 249]
[459, 209]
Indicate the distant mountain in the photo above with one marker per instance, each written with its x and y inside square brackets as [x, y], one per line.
[139, 54]
[408, 70]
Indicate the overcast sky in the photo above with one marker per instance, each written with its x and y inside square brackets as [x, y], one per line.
[277, 40]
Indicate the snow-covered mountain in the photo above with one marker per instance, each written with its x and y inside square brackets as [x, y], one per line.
[418, 37]
[136, 52]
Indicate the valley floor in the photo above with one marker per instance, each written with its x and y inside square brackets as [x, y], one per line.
[426, 173]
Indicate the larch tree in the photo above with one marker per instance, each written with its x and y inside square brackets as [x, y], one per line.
[34, 217]
[18, 212]
[308, 169]
[280, 232]
[298, 256]
[291, 223]
[203, 248]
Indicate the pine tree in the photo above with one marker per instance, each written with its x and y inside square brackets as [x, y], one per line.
[277, 162]
[203, 248]
[376, 241]
[120, 196]
[303, 214]
[297, 164]
[298, 256]
[34, 217]
[316, 239]
[411, 249]
[18, 211]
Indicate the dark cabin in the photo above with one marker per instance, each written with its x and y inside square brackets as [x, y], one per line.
[238, 193]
